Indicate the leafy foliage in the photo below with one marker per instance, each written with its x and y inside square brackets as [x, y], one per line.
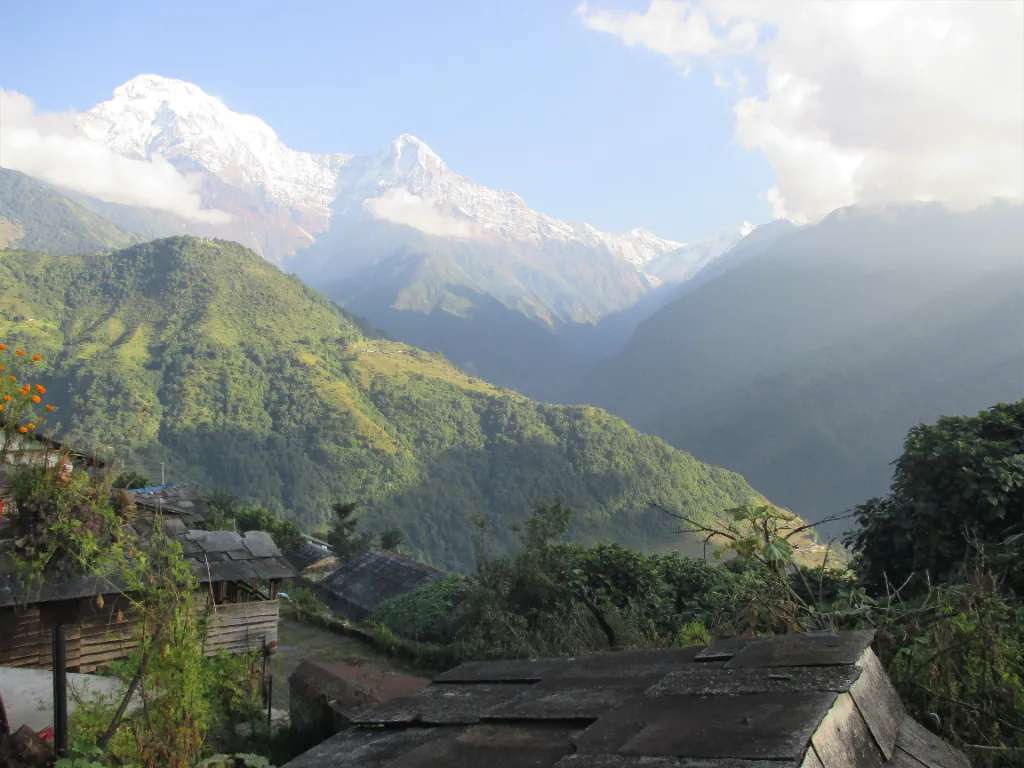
[958, 484]
[425, 613]
[554, 598]
[958, 662]
[941, 554]
[64, 524]
[129, 480]
[391, 539]
[343, 538]
[239, 377]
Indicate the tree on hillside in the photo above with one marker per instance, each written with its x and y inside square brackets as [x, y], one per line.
[391, 539]
[131, 480]
[343, 538]
[958, 486]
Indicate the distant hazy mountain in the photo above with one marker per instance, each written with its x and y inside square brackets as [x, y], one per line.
[36, 217]
[421, 251]
[198, 356]
[804, 364]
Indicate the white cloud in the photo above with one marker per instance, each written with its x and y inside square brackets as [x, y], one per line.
[746, 228]
[866, 101]
[50, 147]
[400, 206]
[682, 31]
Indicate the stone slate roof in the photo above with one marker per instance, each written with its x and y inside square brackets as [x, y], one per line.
[213, 555]
[798, 701]
[13, 593]
[229, 556]
[185, 502]
[364, 582]
[307, 553]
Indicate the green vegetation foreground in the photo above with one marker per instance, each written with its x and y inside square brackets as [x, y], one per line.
[937, 572]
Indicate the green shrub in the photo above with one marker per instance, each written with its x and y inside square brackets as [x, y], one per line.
[957, 659]
[424, 614]
[959, 482]
[305, 603]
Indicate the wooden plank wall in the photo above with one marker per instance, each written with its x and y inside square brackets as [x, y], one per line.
[100, 638]
[239, 627]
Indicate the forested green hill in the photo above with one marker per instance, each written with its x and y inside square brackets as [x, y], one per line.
[200, 354]
[34, 216]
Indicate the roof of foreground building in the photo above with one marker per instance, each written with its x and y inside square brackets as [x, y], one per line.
[797, 701]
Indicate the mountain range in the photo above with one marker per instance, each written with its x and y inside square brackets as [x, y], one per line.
[796, 355]
[420, 251]
[199, 358]
[804, 358]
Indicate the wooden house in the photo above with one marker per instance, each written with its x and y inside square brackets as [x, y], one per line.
[239, 576]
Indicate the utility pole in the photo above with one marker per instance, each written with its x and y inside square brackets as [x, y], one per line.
[162, 480]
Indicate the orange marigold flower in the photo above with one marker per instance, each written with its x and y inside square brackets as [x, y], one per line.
[2, 346]
[23, 430]
[19, 352]
[25, 389]
[40, 389]
[50, 408]
[3, 407]
[7, 398]
[36, 358]
[37, 399]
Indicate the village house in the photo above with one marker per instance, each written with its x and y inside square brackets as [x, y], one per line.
[239, 577]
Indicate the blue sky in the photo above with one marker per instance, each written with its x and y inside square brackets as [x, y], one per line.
[518, 95]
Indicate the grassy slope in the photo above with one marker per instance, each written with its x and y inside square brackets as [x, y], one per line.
[34, 216]
[200, 354]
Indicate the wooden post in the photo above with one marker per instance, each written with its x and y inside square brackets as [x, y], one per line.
[270, 702]
[60, 691]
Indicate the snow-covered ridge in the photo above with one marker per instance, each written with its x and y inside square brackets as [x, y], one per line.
[152, 116]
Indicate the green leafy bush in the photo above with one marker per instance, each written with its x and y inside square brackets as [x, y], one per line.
[227, 512]
[64, 524]
[305, 603]
[424, 614]
[959, 483]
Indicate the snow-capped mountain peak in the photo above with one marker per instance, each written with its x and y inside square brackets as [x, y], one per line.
[638, 246]
[283, 199]
[408, 153]
[152, 116]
